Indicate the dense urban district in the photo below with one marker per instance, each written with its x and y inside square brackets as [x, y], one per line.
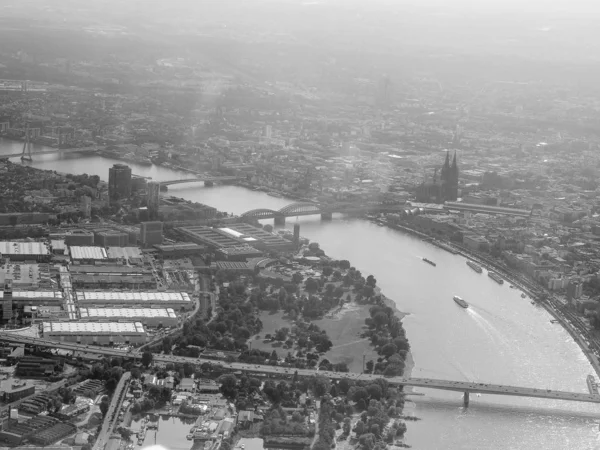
[503, 171]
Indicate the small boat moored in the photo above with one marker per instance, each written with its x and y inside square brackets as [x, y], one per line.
[494, 276]
[429, 262]
[477, 268]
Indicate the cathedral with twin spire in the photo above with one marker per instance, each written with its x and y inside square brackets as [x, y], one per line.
[443, 186]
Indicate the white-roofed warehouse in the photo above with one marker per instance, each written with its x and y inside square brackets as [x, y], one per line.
[150, 317]
[175, 300]
[104, 333]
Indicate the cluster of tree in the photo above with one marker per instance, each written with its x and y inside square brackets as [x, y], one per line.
[388, 336]
[84, 180]
[147, 404]
[235, 322]
[107, 370]
[325, 440]
[325, 364]
[276, 423]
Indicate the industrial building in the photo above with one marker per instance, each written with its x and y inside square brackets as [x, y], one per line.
[179, 250]
[111, 238]
[125, 253]
[34, 298]
[175, 300]
[14, 393]
[119, 182]
[151, 233]
[150, 317]
[96, 333]
[24, 251]
[258, 238]
[116, 281]
[208, 236]
[79, 237]
[87, 255]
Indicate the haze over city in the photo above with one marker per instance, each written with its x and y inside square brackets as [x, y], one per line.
[304, 224]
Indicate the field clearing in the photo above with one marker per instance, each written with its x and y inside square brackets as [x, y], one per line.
[271, 322]
[345, 330]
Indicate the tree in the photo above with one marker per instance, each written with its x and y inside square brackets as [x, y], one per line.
[370, 365]
[347, 425]
[374, 391]
[321, 386]
[327, 270]
[104, 405]
[360, 427]
[297, 278]
[13, 220]
[229, 385]
[147, 358]
[311, 285]
[388, 350]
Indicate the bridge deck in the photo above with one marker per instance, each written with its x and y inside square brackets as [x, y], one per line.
[448, 385]
[199, 180]
[50, 152]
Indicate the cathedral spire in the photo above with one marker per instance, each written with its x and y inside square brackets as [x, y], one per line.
[454, 166]
[447, 163]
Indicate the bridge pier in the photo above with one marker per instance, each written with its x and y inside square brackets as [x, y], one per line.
[209, 183]
[279, 220]
[466, 399]
[326, 216]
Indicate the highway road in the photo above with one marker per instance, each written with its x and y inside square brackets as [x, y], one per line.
[448, 385]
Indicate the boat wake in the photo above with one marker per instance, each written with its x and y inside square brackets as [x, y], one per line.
[488, 328]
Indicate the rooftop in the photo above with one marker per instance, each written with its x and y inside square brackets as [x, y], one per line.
[111, 296]
[96, 253]
[129, 313]
[23, 248]
[92, 327]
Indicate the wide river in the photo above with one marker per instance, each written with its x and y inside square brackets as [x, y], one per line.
[501, 338]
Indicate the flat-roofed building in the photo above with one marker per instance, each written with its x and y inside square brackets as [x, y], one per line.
[150, 317]
[179, 249]
[35, 298]
[258, 238]
[125, 252]
[99, 333]
[210, 237]
[88, 254]
[113, 281]
[175, 300]
[24, 251]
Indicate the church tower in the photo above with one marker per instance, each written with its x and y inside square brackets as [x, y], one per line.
[452, 191]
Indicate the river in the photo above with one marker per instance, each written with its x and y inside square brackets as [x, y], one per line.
[501, 338]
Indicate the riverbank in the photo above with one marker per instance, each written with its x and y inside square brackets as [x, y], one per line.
[528, 287]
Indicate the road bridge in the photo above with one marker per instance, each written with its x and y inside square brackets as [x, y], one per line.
[466, 387]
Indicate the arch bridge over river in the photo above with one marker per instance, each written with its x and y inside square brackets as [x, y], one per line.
[325, 211]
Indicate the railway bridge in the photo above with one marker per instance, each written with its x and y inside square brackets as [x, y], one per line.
[309, 209]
